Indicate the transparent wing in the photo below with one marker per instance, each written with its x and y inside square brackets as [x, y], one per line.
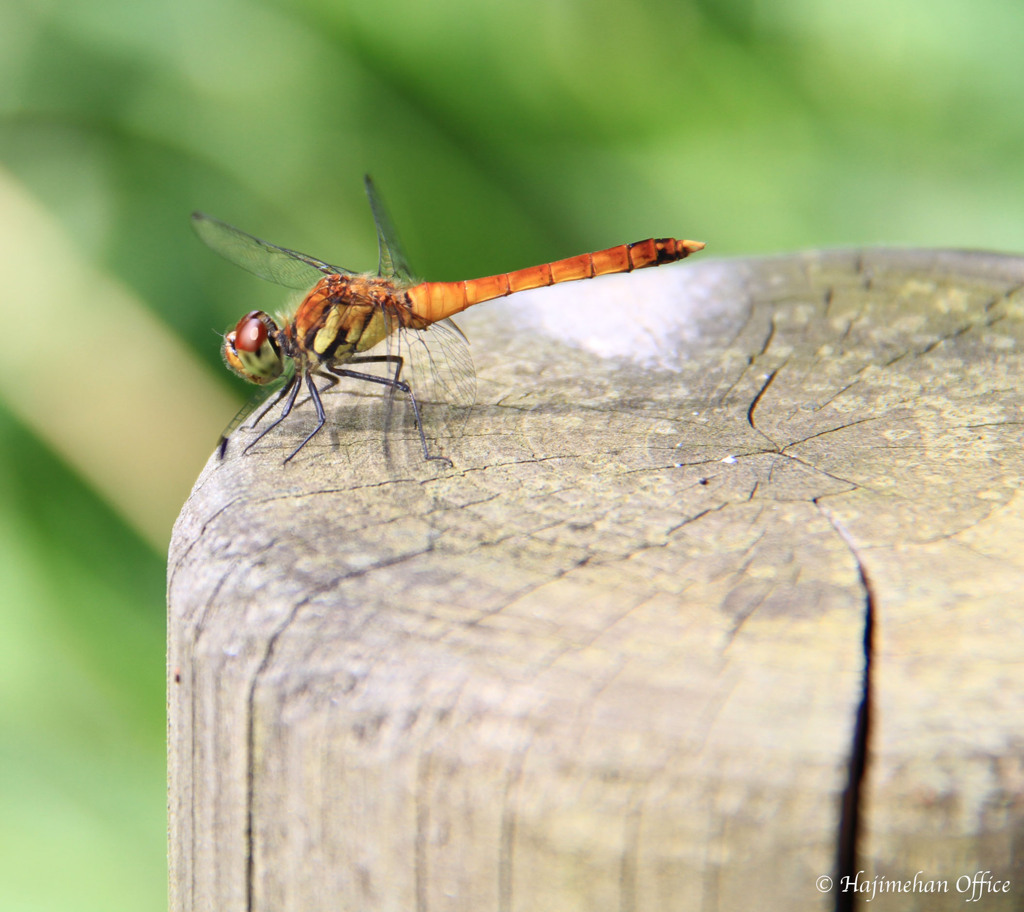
[268, 261]
[440, 366]
[392, 258]
[437, 366]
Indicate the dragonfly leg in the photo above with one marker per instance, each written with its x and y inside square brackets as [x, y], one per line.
[314, 394]
[292, 388]
[332, 381]
[399, 363]
[277, 397]
[397, 360]
[255, 404]
[395, 385]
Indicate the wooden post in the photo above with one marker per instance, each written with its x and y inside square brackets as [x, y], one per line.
[717, 538]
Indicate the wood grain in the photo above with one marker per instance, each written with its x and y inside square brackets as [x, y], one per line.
[614, 658]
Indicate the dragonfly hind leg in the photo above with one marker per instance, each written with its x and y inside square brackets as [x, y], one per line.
[332, 378]
[395, 385]
[398, 362]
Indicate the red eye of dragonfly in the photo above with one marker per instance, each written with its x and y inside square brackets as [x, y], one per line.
[250, 334]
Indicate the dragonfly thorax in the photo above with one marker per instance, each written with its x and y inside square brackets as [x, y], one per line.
[342, 316]
[252, 349]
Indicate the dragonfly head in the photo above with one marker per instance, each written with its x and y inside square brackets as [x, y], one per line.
[252, 349]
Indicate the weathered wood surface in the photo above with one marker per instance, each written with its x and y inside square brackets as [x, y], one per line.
[613, 659]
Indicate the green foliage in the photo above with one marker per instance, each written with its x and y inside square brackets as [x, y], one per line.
[81, 680]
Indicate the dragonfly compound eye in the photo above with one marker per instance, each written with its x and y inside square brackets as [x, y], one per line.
[251, 349]
[250, 334]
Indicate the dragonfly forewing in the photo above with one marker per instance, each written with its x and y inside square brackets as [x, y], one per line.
[263, 259]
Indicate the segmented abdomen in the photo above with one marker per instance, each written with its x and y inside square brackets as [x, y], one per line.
[433, 301]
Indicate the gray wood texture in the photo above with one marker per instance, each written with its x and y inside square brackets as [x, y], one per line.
[614, 658]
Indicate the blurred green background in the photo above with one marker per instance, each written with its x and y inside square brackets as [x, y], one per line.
[502, 135]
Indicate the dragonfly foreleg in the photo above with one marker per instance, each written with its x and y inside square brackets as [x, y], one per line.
[292, 389]
[277, 397]
[262, 403]
[395, 385]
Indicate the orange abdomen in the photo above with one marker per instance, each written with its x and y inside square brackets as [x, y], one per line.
[433, 301]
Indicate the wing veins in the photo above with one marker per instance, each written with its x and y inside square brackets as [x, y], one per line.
[279, 265]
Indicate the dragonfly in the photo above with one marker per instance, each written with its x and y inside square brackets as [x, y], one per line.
[345, 315]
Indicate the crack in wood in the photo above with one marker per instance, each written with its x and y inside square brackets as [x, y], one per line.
[757, 400]
[851, 812]
[767, 339]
